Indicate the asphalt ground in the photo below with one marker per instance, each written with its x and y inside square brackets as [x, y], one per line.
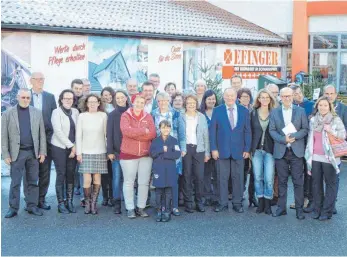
[209, 233]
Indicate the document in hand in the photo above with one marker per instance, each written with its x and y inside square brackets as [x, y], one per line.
[289, 129]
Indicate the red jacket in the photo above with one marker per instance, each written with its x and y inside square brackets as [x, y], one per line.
[135, 140]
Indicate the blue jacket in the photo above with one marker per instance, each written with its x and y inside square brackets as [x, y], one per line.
[307, 105]
[230, 142]
[341, 111]
[164, 163]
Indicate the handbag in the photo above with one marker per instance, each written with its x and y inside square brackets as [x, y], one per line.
[339, 146]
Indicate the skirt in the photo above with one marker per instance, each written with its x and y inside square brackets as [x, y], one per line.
[93, 164]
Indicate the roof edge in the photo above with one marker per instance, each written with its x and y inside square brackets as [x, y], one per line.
[100, 32]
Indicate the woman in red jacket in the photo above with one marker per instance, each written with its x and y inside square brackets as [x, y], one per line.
[138, 130]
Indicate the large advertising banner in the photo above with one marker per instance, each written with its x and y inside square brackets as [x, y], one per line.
[249, 62]
[166, 59]
[61, 58]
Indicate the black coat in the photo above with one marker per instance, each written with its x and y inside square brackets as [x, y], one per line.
[257, 133]
[164, 163]
[113, 133]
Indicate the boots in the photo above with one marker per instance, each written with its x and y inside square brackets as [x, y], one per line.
[117, 206]
[60, 197]
[159, 215]
[166, 216]
[260, 208]
[69, 194]
[87, 193]
[267, 209]
[96, 190]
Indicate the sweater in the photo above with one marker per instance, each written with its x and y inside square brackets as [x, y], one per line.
[91, 133]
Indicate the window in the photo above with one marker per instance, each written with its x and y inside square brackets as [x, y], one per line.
[343, 73]
[325, 42]
[344, 41]
[326, 64]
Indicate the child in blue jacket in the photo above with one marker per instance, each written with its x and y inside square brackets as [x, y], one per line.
[164, 151]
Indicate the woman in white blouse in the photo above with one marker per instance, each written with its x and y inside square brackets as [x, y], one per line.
[91, 149]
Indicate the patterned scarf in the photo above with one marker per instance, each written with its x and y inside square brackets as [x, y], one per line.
[320, 121]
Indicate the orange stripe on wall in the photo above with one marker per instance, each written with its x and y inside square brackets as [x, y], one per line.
[326, 8]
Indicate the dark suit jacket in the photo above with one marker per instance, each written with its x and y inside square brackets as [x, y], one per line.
[114, 134]
[341, 110]
[230, 142]
[257, 133]
[48, 105]
[276, 125]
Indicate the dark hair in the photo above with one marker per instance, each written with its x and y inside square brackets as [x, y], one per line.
[236, 76]
[84, 104]
[147, 83]
[246, 91]
[128, 102]
[61, 96]
[156, 75]
[169, 84]
[165, 123]
[108, 89]
[177, 94]
[294, 87]
[207, 94]
[76, 81]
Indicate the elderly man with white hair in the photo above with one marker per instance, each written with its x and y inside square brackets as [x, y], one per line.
[200, 88]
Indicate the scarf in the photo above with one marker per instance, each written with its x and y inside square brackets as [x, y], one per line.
[320, 121]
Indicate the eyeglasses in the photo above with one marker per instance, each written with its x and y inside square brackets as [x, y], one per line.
[286, 96]
[39, 79]
[245, 96]
[25, 97]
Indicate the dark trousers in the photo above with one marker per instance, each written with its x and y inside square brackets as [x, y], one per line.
[324, 203]
[65, 168]
[163, 197]
[106, 182]
[227, 168]
[45, 174]
[193, 164]
[28, 164]
[296, 165]
[210, 181]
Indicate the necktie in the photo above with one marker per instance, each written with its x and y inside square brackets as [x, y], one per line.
[231, 117]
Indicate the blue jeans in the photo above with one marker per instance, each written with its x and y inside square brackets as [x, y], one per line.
[117, 180]
[264, 173]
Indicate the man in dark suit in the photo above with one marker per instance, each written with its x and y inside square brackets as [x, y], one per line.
[230, 140]
[289, 150]
[45, 102]
[23, 142]
[341, 110]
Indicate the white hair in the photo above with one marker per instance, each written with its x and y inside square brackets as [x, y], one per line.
[200, 81]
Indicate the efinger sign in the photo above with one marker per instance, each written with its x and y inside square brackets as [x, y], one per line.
[251, 57]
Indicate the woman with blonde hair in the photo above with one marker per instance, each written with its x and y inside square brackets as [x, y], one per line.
[321, 162]
[262, 149]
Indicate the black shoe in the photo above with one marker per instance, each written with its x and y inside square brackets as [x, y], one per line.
[309, 208]
[44, 205]
[166, 216]
[71, 208]
[141, 212]
[117, 207]
[279, 212]
[261, 205]
[159, 216]
[300, 214]
[189, 209]
[315, 214]
[220, 208]
[11, 214]
[200, 207]
[238, 209]
[104, 202]
[267, 208]
[334, 210]
[131, 214]
[62, 208]
[324, 218]
[253, 200]
[208, 202]
[35, 211]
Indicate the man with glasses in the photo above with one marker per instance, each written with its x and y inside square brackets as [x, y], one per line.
[155, 80]
[303, 102]
[289, 150]
[23, 147]
[341, 110]
[46, 103]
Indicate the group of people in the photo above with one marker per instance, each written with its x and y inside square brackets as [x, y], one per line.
[195, 151]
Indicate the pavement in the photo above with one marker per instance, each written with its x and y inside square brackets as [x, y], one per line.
[208, 233]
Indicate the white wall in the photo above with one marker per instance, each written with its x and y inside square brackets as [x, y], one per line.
[335, 23]
[276, 16]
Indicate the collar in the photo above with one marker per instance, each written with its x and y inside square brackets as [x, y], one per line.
[287, 109]
[233, 106]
